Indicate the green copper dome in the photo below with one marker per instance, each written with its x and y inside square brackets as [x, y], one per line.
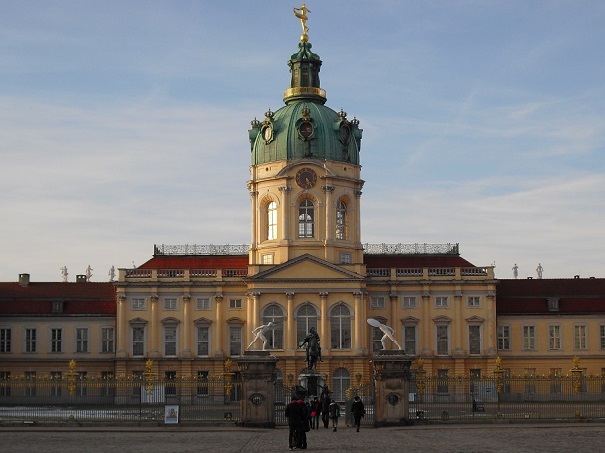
[305, 128]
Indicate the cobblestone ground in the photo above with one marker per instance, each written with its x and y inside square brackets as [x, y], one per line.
[580, 437]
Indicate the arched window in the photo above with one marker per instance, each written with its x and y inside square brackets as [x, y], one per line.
[275, 337]
[305, 319]
[340, 327]
[272, 220]
[306, 216]
[341, 220]
[341, 381]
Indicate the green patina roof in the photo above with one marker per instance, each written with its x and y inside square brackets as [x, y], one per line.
[305, 128]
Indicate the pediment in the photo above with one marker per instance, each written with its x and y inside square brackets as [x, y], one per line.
[306, 267]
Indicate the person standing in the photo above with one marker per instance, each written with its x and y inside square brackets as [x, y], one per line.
[334, 411]
[303, 427]
[325, 404]
[315, 413]
[358, 411]
[294, 413]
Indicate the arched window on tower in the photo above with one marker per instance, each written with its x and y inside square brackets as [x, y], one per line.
[340, 327]
[341, 220]
[274, 313]
[306, 317]
[306, 219]
[272, 220]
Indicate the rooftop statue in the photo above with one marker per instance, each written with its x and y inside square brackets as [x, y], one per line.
[301, 13]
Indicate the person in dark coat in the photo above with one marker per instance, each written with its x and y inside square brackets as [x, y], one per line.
[315, 413]
[295, 414]
[304, 424]
[358, 411]
[325, 404]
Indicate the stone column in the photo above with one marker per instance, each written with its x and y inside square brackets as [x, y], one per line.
[323, 322]
[429, 327]
[218, 332]
[290, 328]
[392, 384]
[258, 375]
[186, 352]
[357, 326]
[154, 328]
[122, 328]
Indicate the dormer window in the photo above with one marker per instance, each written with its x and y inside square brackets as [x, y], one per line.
[553, 304]
[57, 306]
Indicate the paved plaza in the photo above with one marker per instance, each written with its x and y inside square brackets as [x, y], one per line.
[576, 437]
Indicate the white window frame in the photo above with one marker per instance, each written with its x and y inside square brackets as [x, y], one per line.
[81, 339]
[31, 337]
[475, 345]
[56, 340]
[6, 335]
[554, 337]
[473, 301]
[503, 337]
[377, 302]
[202, 341]
[528, 334]
[142, 342]
[407, 328]
[580, 337]
[170, 339]
[138, 304]
[236, 304]
[202, 303]
[442, 301]
[440, 343]
[171, 303]
[410, 302]
[272, 221]
[108, 339]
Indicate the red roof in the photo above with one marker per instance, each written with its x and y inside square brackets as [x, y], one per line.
[83, 298]
[530, 296]
[197, 262]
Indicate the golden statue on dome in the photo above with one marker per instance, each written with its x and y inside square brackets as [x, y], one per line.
[301, 13]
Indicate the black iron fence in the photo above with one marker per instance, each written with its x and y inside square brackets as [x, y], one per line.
[119, 399]
[472, 399]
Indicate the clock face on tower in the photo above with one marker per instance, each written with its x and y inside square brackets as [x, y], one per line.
[306, 178]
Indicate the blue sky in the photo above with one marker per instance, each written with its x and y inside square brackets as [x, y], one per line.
[124, 124]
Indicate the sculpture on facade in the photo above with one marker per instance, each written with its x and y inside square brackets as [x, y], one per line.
[539, 270]
[64, 273]
[112, 273]
[313, 348]
[386, 330]
[88, 273]
[515, 271]
[260, 332]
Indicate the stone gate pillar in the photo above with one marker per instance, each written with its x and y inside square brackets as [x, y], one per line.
[392, 384]
[257, 371]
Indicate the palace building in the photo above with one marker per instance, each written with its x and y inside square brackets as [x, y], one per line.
[191, 308]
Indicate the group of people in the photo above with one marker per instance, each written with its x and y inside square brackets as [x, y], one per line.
[304, 417]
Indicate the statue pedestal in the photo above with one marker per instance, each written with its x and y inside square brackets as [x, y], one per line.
[312, 381]
[258, 374]
[392, 384]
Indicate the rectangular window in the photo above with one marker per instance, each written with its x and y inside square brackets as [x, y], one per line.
[529, 338]
[170, 340]
[441, 302]
[170, 384]
[57, 306]
[107, 339]
[267, 258]
[202, 303]
[30, 340]
[474, 301]
[409, 302]
[503, 338]
[345, 258]
[5, 340]
[56, 340]
[30, 390]
[377, 302]
[235, 303]
[202, 386]
[474, 339]
[138, 341]
[602, 335]
[138, 303]
[409, 340]
[235, 340]
[442, 381]
[107, 390]
[170, 303]
[530, 383]
[55, 383]
[554, 337]
[81, 384]
[5, 389]
[579, 335]
[442, 340]
[81, 340]
[203, 340]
